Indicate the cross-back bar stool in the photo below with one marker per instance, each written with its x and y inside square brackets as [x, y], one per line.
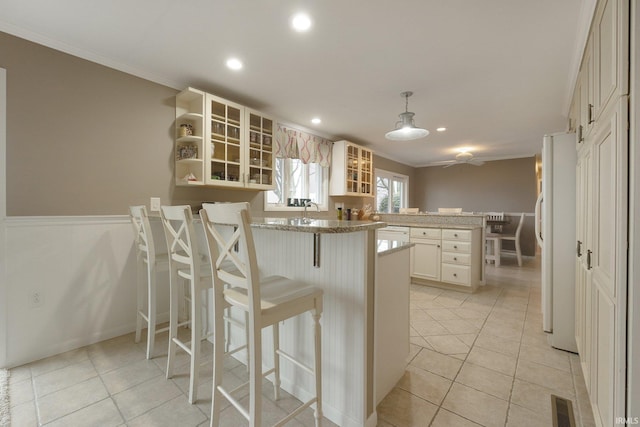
[149, 264]
[185, 262]
[268, 301]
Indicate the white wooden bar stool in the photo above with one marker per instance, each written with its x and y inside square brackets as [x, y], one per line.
[516, 239]
[268, 301]
[185, 262]
[149, 264]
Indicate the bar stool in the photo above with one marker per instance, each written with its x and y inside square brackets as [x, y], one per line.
[268, 301]
[149, 263]
[185, 262]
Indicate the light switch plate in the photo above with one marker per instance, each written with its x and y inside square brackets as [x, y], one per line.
[155, 204]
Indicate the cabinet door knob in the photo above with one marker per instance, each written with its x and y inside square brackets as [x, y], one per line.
[455, 259]
[455, 235]
[455, 274]
[455, 247]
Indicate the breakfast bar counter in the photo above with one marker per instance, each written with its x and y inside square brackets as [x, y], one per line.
[347, 274]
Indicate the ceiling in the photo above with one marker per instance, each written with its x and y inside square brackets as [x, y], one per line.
[498, 74]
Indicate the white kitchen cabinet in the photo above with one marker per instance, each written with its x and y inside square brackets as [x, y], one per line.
[231, 145]
[446, 256]
[425, 254]
[351, 170]
[461, 257]
[601, 262]
[610, 34]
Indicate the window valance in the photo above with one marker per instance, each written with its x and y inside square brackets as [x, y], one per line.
[290, 143]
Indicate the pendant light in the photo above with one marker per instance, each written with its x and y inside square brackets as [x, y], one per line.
[406, 129]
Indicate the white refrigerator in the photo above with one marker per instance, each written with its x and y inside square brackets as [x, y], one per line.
[556, 235]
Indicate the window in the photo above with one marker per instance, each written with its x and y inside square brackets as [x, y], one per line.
[391, 191]
[295, 180]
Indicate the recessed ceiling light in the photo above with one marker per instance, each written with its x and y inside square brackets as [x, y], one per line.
[441, 129]
[301, 22]
[234, 63]
[316, 121]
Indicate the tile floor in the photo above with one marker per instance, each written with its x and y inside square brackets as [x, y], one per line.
[482, 358]
[476, 359]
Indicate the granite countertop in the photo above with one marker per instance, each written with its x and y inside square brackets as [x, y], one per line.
[448, 226]
[386, 246]
[310, 225]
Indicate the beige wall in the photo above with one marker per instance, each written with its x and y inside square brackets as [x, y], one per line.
[501, 185]
[84, 139]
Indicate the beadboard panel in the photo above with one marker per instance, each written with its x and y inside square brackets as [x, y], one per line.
[85, 272]
[344, 275]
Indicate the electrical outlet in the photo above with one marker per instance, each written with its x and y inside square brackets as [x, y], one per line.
[36, 299]
[155, 204]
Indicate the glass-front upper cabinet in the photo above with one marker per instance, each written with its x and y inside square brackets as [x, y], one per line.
[223, 144]
[351, 170]
[260, 147]
[225, 136]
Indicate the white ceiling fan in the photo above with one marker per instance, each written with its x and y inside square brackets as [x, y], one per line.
[463, 158]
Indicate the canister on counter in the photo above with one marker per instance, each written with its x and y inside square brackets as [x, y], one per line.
[340, 214]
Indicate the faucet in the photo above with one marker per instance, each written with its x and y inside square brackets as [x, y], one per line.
[307, 204]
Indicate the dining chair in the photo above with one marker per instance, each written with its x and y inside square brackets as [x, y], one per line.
[515, 238]
[149, 263]
[268, 302]
[185, 262]
[450, 210]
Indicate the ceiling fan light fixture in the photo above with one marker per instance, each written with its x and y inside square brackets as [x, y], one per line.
[406, 130]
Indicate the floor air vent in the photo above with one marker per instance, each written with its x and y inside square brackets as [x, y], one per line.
[562, 412]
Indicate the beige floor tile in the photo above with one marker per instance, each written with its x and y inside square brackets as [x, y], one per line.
[130, 375]
[424, 304]
[445, 418]
[418, 315]
[485, 380]
[468, 339]
[20, 373]
[437, 363]
[58, 361]
[429, 327]
[421, 342]
[402, 409]
[523, 417]
[555, 379]
[414, 350]
[64, 377]
[21, 391]
[447, 344]
[476, 406]
[532, 396]
[114, 355]
[103, 414]
[460, 326]
[441, 314]
[492, 360]
[424, 384]
[449, 301]
[462, 356]
[551, 357]
[488, 341]
[176, 412]
[63, 402]
[24, 414]
[146, 396]
[469, 313]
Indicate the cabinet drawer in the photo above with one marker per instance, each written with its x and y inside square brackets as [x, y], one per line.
[464, 235]
[457, 274]
[425, 233]
[456, 247]
[453, 258]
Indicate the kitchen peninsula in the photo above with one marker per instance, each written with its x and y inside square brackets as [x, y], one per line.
[343, 258]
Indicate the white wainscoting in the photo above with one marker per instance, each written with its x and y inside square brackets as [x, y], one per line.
[85, 272]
